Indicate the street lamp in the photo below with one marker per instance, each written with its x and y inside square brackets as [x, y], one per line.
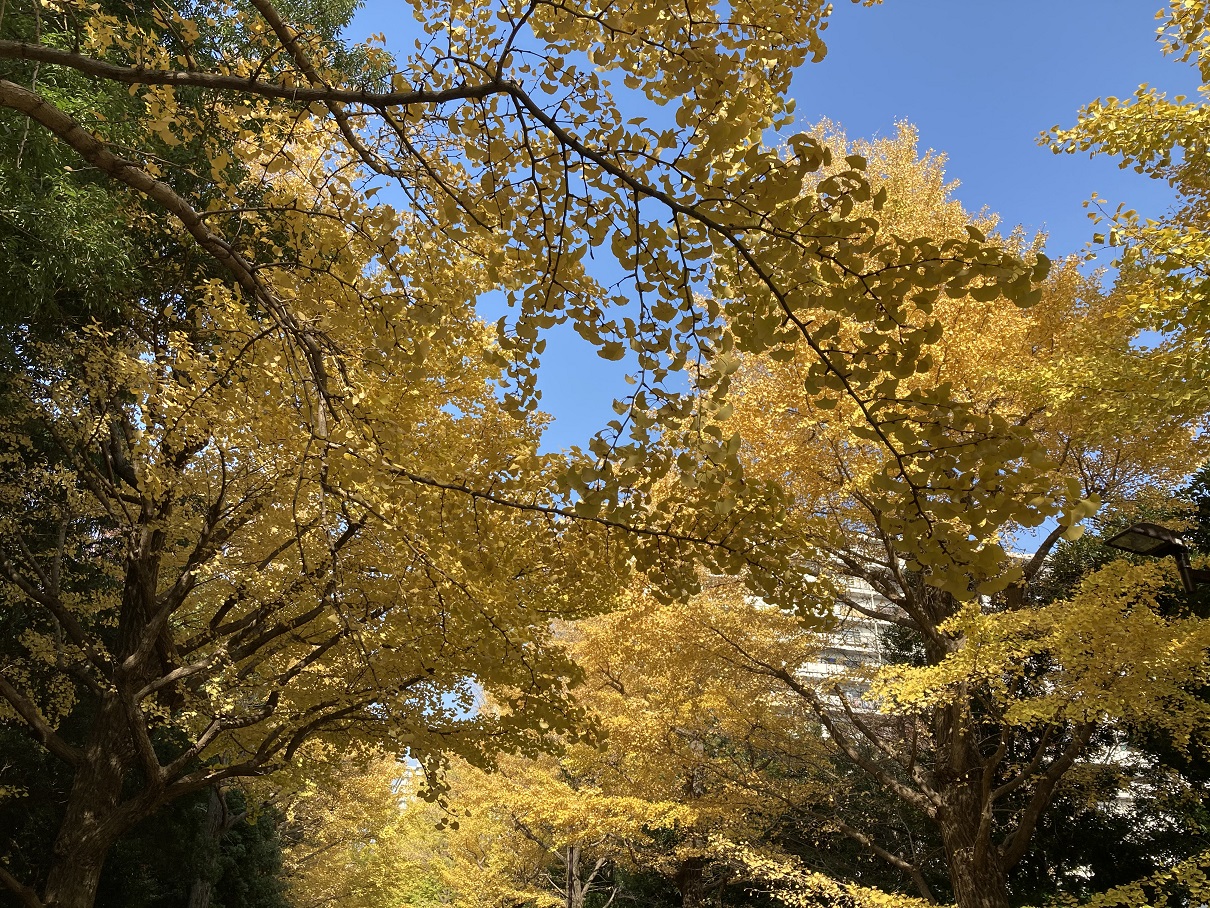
[1157, 541]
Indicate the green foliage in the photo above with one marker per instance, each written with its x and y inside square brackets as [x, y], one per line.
[1144, 804]
[250, 861]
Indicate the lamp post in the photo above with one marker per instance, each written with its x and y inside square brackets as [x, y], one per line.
[1157, 541]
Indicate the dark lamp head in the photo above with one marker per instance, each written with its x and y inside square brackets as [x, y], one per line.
[1158, 541]
[1148, 539]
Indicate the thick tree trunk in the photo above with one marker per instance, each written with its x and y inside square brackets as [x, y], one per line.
[73, 883]
[91, 823]
[95, 816]
[200, 892]
[976, 870]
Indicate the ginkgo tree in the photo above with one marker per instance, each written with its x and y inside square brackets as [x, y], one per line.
[361, 837]
[284, 496]
[1162, 260]
[508, 145]
[220, 585]
[916, 492]
[695, 752]
[695, 755]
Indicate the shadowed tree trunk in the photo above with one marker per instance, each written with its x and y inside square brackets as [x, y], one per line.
[218, 821]
[96, 815]
[977, 871]
[691, 882]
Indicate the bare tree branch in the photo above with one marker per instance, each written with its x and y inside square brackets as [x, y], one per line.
[890, 857]
[1015, 845]
[37, 725]
[301, 94]
[24, 894]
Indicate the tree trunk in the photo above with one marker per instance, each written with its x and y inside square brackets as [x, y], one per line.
[73, 883]
[575, 884]
[209, 844]
[691, 881]
[95, 817]
[91, 823]
[976, 871]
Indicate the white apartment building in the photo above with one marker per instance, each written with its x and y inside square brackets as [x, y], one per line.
[855, 641]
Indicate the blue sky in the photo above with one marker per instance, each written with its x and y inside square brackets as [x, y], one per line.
[980, 79]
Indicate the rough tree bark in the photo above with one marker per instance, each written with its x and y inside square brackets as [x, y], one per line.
[96, 815]
[977, 871]
[691, 883]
